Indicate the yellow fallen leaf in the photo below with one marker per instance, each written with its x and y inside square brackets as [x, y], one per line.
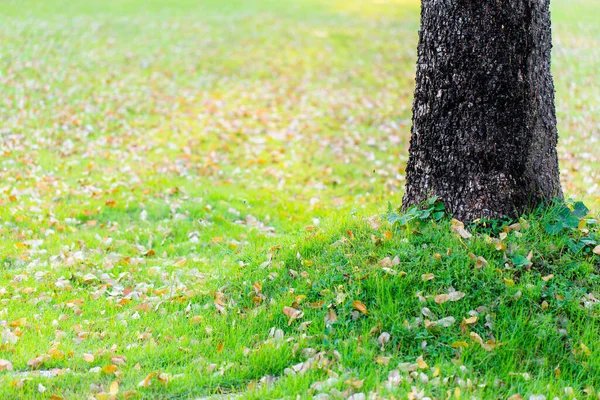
[110, 369]
[114, 388]
[88, 357]
[163, 378]
[196, 319]
[584, 349]
[421, 363]
[381, 360]
[459, 227]
[129, 394]
[56, 354]
[355, 383]
[500, 246]
[147, 380]
[509, 282]
[427, 277]
[358, 305]
[547, 277]
[470, 320]
[456, 345]
[475, 336]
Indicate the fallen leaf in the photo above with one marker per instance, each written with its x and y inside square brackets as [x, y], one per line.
[382, 360]
[292, 313]
[383, 338]
[455, 296]
[114, 388]
[359, 306]
[427, 277]
[441, 298]
[355, 383]
[421, 363]
[330, 317]
[147, 380]
[459, 227]
[6, 365]
[445, 322]
[547, 277]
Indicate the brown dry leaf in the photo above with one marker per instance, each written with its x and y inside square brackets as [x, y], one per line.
[6, 365]
[547, 277]
[195, 320]
[516, 396]
[118, 360]
[316, 304]
[36, 362]
[427, 277]
[292, 313]
[88, 357]
[597, 250]
[330, 317]
[358, 305]
[441, 298]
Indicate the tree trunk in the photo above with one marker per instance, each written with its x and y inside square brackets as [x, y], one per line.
[484, 124]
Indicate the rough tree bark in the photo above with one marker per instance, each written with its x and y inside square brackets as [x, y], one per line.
[484, 124]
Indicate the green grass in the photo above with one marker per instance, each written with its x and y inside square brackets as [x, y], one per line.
[175, 150]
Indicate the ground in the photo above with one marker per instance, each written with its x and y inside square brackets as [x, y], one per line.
[174, 174]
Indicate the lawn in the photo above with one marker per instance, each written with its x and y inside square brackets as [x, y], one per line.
[194, 202]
